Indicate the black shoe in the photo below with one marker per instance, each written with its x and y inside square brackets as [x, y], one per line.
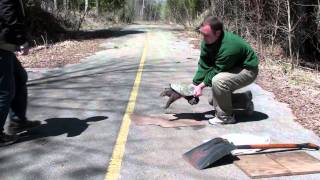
[241, 100]
[249, 109]
[248, 95]
[16, 127]
[6, 139]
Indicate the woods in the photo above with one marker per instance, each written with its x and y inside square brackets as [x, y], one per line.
[292, 26]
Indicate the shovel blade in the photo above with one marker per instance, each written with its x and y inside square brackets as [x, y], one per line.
[207, 153]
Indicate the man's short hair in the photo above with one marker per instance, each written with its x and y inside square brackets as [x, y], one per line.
[214, 22]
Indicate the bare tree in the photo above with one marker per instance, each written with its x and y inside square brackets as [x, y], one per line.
[97, 7]
[65, 4]
[276, 22]
[290, 34]
[55, 2]
[86, 5]
[142, 9]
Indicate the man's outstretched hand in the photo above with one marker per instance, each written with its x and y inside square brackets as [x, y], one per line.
[198, 89]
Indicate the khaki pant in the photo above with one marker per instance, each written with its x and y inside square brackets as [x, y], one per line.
[223, 86]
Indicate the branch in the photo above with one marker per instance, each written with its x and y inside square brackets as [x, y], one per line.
[295, 25]
[305, 5]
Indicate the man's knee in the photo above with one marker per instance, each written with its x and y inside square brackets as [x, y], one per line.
[220, 82]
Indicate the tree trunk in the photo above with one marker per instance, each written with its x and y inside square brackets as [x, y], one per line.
[97, 7]
[223, 9]
[275, 31]
[318, 15]
[55, 4]
[142, 10]
[258, 27]
[86, 5]
[212, 7]
[65, 4]
[290, 34]
[243, 18]
[236, 19]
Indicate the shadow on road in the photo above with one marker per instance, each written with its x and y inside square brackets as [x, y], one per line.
[226, 160]
[240, 116]
[256, 116]
[102, 34]
[58, 126]
[38, 150]
[194, 116]
[84, 72]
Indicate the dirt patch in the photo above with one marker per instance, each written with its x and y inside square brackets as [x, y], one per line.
[60, 54]
[165, 122]
[303, 97]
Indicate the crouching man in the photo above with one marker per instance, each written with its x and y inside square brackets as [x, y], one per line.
[227, 63]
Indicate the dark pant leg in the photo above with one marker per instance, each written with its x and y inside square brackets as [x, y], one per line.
[19, 102]
[6, 84]
[240, 100]
[225, 83]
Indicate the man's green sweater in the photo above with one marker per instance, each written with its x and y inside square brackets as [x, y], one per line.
[228, 52]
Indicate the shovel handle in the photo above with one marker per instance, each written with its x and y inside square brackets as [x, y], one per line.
[276, 146]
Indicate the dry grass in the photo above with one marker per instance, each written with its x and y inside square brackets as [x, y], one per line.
[299, 88]
[59, 54]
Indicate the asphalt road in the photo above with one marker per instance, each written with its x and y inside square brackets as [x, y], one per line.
[87, 132]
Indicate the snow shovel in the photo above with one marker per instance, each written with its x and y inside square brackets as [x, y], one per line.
[207, 153]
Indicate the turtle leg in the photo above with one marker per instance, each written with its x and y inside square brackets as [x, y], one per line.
[172, 98]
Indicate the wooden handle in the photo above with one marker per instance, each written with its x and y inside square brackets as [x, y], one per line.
[278, 146]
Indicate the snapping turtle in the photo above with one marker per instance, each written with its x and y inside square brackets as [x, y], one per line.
[176, 91]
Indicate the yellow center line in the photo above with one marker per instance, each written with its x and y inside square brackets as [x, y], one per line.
[119, 148]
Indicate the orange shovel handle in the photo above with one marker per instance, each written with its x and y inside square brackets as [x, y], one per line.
[277, 146]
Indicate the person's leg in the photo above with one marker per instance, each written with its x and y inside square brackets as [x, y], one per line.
[6, 93]
[6, 85]
[19, 102]
[239, 99]
[223, 85]
[18, 119]
[242, 102]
